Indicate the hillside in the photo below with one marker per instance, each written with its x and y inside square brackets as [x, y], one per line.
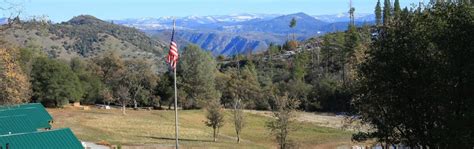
[83, 36]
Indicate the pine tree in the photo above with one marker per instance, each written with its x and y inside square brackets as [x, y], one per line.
[293, 43]
[293, 23]
[351, 13]
[378, 13]
[396, 9]
[386, 12]
[197, 78]
[300, 62]
[350, 45]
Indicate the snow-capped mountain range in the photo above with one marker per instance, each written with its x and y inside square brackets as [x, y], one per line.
[344, 17]
[239, 33]
[225, 20]
[190, 21]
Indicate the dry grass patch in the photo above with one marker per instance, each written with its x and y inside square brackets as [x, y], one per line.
[157, 127]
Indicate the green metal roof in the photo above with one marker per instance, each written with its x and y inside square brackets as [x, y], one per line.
[53, 139]
[35, 112]
[16, 124]
[40, 107]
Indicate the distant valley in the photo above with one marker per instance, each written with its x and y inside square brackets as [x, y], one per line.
[244, 33]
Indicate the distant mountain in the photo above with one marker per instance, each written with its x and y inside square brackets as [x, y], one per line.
[190, 22]
[3, 21]
[244, 17]
[344, 17]
[233, 34]
[221, 43]
[84, 36]
[306, 25]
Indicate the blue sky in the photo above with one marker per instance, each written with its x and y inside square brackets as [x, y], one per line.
[63, 10]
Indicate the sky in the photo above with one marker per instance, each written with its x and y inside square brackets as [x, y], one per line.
[63, 10]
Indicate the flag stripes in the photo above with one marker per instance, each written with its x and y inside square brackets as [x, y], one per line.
[173, 55]
[172, 59]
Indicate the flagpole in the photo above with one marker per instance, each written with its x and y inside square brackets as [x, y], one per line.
[175, 98]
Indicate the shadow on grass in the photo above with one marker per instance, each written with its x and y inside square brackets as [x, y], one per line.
[180, 139]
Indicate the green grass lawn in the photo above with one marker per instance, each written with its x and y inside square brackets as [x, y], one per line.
[157, 127]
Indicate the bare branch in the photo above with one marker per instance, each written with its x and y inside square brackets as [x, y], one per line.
[12, 8]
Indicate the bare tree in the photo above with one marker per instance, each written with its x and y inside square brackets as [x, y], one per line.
[12, 8]
[239, 120]
[123, 95]
[215, 117]
[107, 96]
[283, 123]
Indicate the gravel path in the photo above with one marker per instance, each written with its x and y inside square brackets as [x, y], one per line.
[321, 119]
[91, 145]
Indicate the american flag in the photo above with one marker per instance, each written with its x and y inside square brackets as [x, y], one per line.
[173, 53]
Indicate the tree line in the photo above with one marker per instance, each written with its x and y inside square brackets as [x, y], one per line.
[57, 82]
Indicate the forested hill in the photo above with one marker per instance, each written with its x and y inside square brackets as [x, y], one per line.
[84, 36]
[319, 72]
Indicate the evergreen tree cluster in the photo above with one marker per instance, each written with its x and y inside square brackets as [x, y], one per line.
[416, 85]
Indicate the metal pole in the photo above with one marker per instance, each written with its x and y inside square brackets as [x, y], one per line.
[176, 108]
[175, 101]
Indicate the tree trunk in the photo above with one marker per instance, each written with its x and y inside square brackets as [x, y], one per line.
[237, 119]
[123, 109]
[135, 104]
[343, 74]
[215, 139]
[238, 138]
[283, 138]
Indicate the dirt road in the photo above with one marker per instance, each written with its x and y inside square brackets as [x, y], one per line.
[322, 119]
